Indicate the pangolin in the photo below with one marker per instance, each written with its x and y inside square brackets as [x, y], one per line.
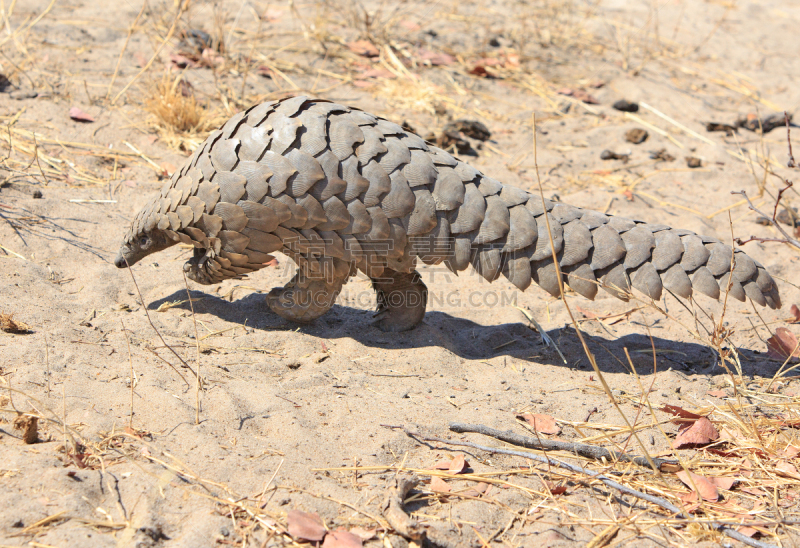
[339, 190]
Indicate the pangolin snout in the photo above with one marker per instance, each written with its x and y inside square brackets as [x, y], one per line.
[119, 262]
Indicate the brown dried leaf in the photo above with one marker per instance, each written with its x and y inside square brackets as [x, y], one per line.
[700, 433]
[480, 70]
[341, 538]
[364, 48]
[787, 470]
[747, 531]
[80, 116]
[305, 526]
[705, 488]
[438, 485]
[436, 59]
[717, 393]
[795, 311]
[723, 483]
[457, 465]
[679, 412]
[544, 424]
[782, 345]
[364, 534]
[556, 488]
[790, 452]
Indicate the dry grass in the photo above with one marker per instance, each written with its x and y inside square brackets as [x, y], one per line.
[179, 118]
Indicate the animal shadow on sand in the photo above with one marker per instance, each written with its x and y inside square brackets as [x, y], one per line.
[473, 341]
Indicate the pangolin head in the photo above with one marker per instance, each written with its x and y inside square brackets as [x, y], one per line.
[143, 238]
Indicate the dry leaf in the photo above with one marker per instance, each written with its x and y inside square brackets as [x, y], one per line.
[305, 526]
[787, 470]
[782, 345]
[544, 424]
[795, 312]
[480, 70]
[436, 59]
[679, 412]
[341, 538]
[705, 488]
[717, 393]
[555, 488]
[364, 48]
[364, 534]
[457, 465]
[700, 433]
[747, 531]
[80, 116]
[723, 483]
[791, 452]
[438, 485]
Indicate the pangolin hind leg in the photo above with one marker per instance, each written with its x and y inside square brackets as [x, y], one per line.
[313, 289]
[402, 298]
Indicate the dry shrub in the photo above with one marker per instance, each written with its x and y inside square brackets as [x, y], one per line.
[10, 325]
[180, 119]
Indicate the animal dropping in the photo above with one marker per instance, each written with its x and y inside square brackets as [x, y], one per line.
[339, 190]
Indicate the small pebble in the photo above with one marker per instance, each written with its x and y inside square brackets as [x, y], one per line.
[636, 136]
[693, 162]
[37, 194]
[20, 94]
[626, 106]
[789, 216]
[611, 155]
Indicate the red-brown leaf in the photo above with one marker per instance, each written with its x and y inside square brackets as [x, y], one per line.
[704, 488]
[480, 70]
[747, 531]
[438, 485]
[544, 424]
[556, 489]
[679, 412]
[435, 58]
[341, 538]
[723, 483]
[364, 534]
[364, 48]
[795, 312]
[305, 526]
[787, 469]
[79, 115]
[457, 465]
[700, 433]
[791, 452]
[583, 95]
[782, 345]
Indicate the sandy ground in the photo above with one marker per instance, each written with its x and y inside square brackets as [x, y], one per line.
[281, 403]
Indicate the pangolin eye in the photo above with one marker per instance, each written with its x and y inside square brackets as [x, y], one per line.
[144, 240]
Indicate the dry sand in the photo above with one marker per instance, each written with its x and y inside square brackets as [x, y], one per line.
[281, 403]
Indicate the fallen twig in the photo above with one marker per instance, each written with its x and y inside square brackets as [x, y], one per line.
[582, 449]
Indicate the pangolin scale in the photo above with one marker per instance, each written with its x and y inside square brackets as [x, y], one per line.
[339, 190]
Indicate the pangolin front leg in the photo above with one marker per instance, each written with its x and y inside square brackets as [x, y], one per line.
[312, 291]
[402, 298]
